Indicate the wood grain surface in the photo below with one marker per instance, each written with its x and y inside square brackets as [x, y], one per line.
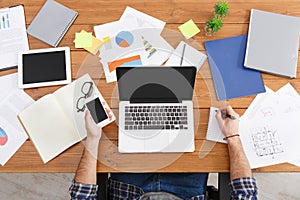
[209, 156]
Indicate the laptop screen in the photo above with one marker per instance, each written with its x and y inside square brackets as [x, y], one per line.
[155, 84]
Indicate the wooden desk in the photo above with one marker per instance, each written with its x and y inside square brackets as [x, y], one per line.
[95, 12]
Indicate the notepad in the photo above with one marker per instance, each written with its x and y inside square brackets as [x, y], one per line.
[52, 22]
[191, 56]
[226, 61]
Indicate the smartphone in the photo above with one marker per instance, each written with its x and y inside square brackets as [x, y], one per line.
[97, 111]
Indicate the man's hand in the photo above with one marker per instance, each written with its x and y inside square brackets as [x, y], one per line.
[239, 166]
[228, 126]
[93, 131]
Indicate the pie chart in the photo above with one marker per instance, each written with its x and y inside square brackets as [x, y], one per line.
[124, 39]
[3, 137]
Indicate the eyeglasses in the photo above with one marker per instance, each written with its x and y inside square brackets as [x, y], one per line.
[86, 90]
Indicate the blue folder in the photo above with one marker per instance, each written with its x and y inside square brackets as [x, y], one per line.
[226, 61]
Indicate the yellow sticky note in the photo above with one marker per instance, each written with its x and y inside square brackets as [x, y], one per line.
[83, 39]
[96, 43]
[189, 29]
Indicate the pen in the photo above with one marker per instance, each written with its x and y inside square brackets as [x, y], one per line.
[224, 114]
[182, 55]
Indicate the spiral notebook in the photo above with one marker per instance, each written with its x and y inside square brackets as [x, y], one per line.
[52, 22]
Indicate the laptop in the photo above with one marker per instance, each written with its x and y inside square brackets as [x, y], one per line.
[156, 109]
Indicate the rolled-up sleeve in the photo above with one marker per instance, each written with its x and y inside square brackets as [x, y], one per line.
[79, 191]
[243, 188]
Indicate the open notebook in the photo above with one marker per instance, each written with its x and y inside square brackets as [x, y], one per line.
[53, 123]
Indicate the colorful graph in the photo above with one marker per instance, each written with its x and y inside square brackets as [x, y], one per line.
[124, 39]
[148, 47]
[3, 137]
[130, 61]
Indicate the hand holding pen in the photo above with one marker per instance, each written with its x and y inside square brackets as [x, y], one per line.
[228, 121]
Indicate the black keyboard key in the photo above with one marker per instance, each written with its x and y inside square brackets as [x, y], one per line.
[126, 127]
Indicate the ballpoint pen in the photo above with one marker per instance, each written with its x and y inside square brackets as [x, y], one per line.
[224, 114]
[182, 55]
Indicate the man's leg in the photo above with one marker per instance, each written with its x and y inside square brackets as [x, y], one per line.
[184, 185]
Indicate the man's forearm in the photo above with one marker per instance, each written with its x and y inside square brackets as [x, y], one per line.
[239, 165]
[86, 171]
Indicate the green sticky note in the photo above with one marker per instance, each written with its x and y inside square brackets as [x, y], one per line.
[189, 29]
[83, 40]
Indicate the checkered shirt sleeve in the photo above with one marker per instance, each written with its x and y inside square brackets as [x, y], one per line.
[243, 188]
[79, 191]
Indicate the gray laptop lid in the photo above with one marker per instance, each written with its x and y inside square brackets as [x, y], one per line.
[156, 84]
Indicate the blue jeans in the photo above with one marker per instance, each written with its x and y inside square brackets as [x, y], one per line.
[183, 185]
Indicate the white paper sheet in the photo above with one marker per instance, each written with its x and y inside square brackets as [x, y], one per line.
[149, 45]
[214, 132]
[14, 141]
[144, 20]
[8, 84]
[13, 37]
[271, 140]
[12, 101]
[191, 57]
[269, 130]
[12, 105]
[289, 90]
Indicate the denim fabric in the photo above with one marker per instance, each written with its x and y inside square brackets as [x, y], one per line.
[183, 185]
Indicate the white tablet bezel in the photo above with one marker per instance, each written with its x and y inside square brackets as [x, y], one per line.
[49, 83]
[107, 120]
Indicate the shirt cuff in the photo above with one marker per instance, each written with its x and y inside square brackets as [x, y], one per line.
[83, 191]
[244, 187]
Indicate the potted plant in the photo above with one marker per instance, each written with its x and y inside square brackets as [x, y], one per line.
[221, 9]
[215, 23]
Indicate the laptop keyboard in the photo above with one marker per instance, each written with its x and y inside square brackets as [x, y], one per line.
[155, 117]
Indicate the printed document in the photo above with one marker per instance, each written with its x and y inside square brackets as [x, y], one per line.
[13, 37]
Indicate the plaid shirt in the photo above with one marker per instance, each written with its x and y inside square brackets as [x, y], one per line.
[241, 189]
